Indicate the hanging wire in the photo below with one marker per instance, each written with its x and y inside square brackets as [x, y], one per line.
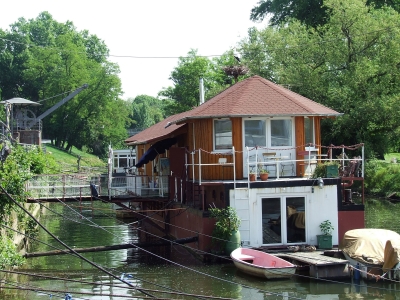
[192, 248]
[172, 262]
[65, 245]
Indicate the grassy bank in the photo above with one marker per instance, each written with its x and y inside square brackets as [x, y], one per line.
[382, 214]
[68, 161]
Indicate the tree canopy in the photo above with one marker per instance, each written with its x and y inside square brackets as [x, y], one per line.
[146, 111]
[42, 59]
[350, 64]
[309, 12]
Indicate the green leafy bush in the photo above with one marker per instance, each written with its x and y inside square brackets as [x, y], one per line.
[8, 254]
[227, 221]
[382, 178]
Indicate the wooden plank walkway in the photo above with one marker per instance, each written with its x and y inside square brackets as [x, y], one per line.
[319, 265]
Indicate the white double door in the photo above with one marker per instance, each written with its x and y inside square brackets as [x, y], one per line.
[283, 220]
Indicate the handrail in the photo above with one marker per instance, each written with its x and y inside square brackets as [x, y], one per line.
[200, 164]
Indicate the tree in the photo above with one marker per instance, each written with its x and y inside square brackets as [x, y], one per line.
[349, 64]
[185, 94]
[146, 111]
[43, 58]
[186, 76]
[309, 12]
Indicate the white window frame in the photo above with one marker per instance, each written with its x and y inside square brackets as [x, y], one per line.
[214, 137]
[292, 132]
[268, 138]
[313, 133]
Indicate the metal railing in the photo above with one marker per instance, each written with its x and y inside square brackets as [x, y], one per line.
[78, 185]
[310, 161]
[61, 186]
[139, 185]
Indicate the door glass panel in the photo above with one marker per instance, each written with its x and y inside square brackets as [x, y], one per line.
[296, 220]
[271, 221]
[254, 133]
[123, 161]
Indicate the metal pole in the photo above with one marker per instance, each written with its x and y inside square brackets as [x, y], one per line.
[199, 167]
[234, 167]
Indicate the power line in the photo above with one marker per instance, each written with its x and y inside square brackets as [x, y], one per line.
[108, 55]
[175, 263]
[363, 34]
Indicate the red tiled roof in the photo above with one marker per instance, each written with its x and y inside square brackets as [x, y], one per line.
[252, 97]
[155, 132]
[257, 96]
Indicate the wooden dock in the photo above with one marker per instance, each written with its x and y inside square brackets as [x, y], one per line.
[318, 264]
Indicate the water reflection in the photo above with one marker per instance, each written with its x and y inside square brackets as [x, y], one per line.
[149, 271]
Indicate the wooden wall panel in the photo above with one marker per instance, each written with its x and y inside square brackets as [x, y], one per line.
[237, 140]
[300, 141]
[201, 132]
[317, 128]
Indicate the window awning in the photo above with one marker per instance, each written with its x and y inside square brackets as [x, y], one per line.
[157, 148]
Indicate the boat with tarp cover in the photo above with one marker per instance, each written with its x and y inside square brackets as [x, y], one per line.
[372, 252]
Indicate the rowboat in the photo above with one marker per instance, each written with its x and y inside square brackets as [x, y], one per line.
[261, 264]
[372, 252]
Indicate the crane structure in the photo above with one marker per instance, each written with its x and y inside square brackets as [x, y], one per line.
[22, 122]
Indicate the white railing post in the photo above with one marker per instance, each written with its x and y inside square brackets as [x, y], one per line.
[193, 165]
[199, 167]
[234, 168]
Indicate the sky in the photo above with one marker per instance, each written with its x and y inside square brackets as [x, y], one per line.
[152, 35]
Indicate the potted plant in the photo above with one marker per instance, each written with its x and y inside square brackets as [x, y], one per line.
[226, 235]
[332, 169]
[329, 169]
[325, 240]
[252, 174]
[264, 174]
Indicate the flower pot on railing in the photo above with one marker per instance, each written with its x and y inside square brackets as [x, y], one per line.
[252, 177]
[264, 176]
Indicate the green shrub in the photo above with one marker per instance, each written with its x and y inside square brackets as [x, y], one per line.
[8, 254]
[227, 221]
[382, 178]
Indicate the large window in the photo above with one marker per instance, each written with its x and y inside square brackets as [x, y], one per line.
[222, 134]
[268, 132]
[281, 132]
[254, 133]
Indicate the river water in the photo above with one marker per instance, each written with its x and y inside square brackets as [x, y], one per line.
[162, 273]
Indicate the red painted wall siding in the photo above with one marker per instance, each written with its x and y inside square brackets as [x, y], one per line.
[192, 220]
[350, 220]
